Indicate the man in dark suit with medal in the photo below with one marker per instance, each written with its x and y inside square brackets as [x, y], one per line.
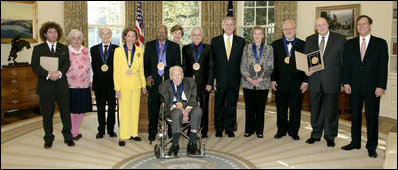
[227, 50]
[198, 63]
[180, 105]
[52, 86]
[103, 87]
[325, 85]
[160, 55]
[365, 79]
[288, 83]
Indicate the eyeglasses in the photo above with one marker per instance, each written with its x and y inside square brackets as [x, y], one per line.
[288, 29]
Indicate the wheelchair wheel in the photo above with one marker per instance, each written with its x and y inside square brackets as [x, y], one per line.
[157, 151]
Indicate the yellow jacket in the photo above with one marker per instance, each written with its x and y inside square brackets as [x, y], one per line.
[120, 78]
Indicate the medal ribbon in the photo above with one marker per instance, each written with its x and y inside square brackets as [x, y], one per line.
[199, 51]
[102, 52]
[127, 55]
[255, 52]
[181, 86]
[162, 54]
[288, 53]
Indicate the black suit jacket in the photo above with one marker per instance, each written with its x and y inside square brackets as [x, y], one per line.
[204, 76]
[102, 79]
[287, 76]
[329, 80]
[166, 90]
[48, 86]
[227, 72]
[365, 76]
[151, 58]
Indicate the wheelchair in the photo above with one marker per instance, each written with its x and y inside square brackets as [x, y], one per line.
[163, 139]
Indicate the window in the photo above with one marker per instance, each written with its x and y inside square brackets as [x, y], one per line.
[257, 13]
[105, 14]
[184, 13]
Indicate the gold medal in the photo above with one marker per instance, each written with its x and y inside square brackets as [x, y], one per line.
[160, 66]
[104, 67]
[196, 66]
[179, 105]
[287, 60]
[314, 60]
[129, 72]
[257, 67]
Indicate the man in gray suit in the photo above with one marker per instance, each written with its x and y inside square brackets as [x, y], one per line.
[325, 85]
[179, 94]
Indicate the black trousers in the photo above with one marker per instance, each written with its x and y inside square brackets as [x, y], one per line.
[255, 101]
[288, 123]
[225, 113]
[153, 109]
[324, 115]
[204, 105]
[103, 97]
[372, 107]
[47, 105]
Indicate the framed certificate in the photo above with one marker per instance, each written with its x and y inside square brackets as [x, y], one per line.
[309, 62]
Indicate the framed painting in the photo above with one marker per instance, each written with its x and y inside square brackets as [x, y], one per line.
[19, 18]
[342, 19]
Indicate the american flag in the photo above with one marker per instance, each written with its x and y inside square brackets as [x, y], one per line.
[139, 25]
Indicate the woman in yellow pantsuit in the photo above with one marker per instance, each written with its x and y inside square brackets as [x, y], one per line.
[129, 81]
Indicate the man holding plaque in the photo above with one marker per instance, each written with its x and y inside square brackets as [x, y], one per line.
[181, 106]
[325, 85]
[52, 85]
[288, 83]
[198, 63]
[227, 52]
[103, 86]
[365, 79]
[159, 56]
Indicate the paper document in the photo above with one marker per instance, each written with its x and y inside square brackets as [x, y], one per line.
[49, 63]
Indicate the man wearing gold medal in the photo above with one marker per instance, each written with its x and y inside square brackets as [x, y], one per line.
[288, 83]
[256, 68]
[160, 55]
[179, 94]
[103, 87]
[198, 63]
[129, 82]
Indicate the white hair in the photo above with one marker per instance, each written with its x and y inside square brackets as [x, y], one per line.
[73, 32]
[176, 68]
[197, 28]
[106, 28]
[291, 21]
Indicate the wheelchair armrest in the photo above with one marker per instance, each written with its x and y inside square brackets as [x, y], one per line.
[168, 120]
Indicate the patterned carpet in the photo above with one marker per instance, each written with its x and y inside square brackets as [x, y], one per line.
[22, 147]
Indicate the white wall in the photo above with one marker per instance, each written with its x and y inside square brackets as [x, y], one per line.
[47, 11]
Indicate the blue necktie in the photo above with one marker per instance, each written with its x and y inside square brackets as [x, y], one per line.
[161, 72]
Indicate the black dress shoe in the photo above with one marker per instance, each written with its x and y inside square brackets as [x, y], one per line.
[330, 143]
[122, 143]
[173, 151]
[151, 138]
[77, 137]
[230, 134]
[350, 147]
[69, 142]
[112, 134]
[260, 135]
[248, 134]
[295, 137]
[99, 136]
[136, 138]
[218, 133]
[192, 150]
[312, 140]
[48, 144]
[372, 153]
[279, 135]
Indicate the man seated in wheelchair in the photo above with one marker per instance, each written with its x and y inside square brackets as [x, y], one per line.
[179, 94]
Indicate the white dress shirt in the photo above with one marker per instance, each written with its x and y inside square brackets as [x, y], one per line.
[225, 36]
[326, 40]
